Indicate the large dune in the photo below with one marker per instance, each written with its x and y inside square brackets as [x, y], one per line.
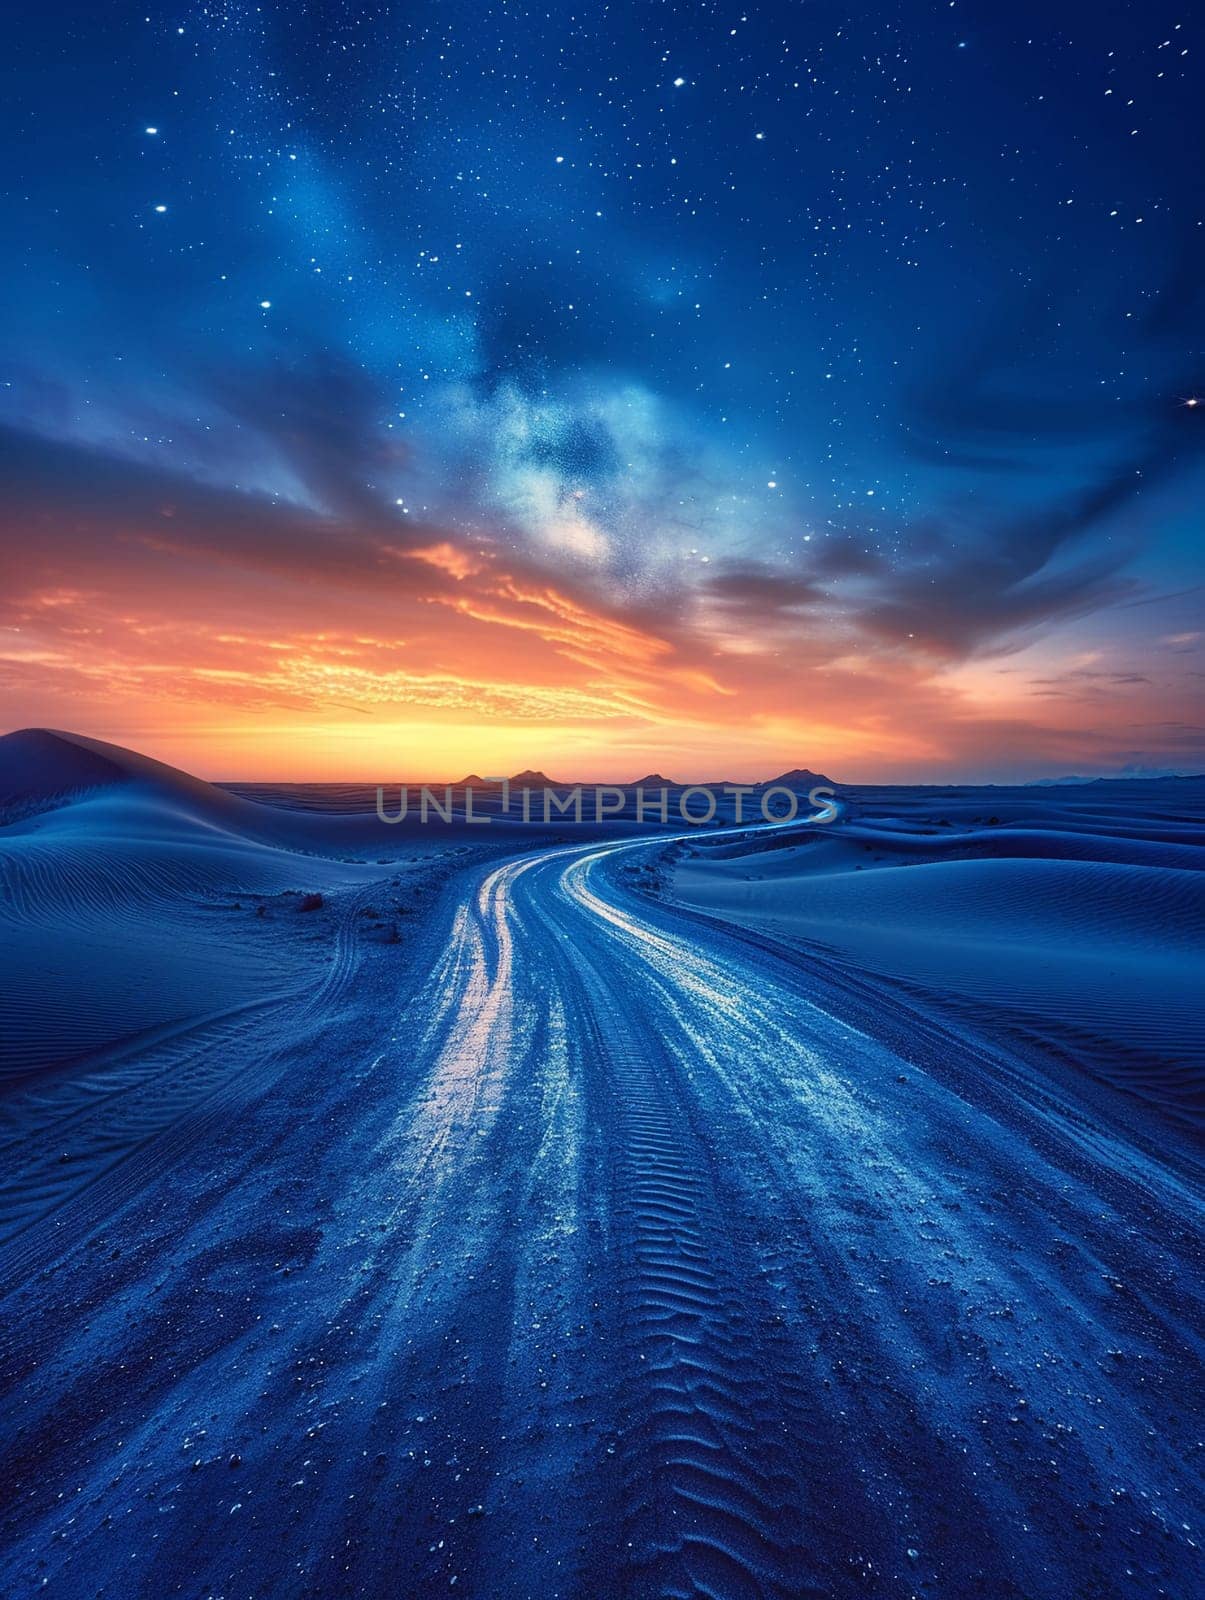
[153, 940]
[41, 768]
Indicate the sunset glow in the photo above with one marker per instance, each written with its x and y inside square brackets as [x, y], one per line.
[332, 458]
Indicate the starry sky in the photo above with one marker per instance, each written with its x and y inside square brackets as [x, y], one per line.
[393, 389]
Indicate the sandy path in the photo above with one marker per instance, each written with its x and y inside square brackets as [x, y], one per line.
[615, 1263]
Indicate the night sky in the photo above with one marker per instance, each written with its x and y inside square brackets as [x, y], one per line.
[706, 387]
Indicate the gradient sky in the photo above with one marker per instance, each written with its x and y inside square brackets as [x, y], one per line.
[397, 389]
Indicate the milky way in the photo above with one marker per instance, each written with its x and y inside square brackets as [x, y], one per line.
[681, 377]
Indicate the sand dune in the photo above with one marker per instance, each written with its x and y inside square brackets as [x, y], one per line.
[578, 1244]
[41, 768]
[441, 1210]
[154, 944]
[1071, 919]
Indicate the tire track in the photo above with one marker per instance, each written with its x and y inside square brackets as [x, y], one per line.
[130, 1127]
[713, 1504]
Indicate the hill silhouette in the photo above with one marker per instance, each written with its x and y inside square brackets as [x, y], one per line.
[801, 778]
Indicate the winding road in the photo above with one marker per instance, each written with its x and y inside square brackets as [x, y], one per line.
[622, 1265]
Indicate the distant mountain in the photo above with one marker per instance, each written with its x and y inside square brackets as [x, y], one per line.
[1155, 772]
[654, 780]
[471, 782]
[534, 780]
[802, 778]
[1123, 774]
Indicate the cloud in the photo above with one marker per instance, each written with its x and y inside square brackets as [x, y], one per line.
[447, 557]
[761, 590]
[987, 588]
[541, 575]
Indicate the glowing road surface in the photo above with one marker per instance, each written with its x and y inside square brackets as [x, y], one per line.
[614, 1262]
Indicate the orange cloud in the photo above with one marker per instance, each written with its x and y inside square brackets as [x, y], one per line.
[447, 558]
[260, 641]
